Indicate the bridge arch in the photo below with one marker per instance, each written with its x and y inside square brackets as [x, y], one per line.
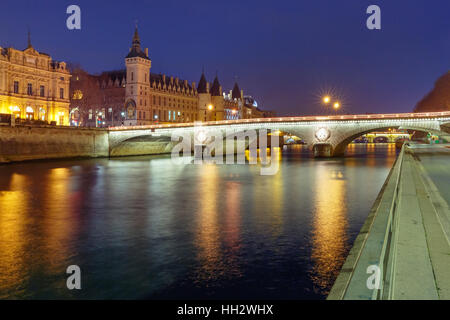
[341, 146]
[144, 144]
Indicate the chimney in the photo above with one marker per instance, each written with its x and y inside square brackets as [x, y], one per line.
[220, 90]
[146, 52]
[242, 94]
[176, 80]
[185, 83]
[207, 87]
[164, 78]
[194, 85]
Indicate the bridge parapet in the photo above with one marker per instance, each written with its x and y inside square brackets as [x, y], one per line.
[330, 135]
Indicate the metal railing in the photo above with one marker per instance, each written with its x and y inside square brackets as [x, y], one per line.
[387, 258]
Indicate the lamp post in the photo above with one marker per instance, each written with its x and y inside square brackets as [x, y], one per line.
[327, 100]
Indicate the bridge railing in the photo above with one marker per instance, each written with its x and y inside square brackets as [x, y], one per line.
[292, 119]
[373, 246]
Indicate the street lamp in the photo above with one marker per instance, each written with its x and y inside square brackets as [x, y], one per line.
[327, 100]
[210, 107]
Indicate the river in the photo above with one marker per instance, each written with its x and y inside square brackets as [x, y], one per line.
[147, 228]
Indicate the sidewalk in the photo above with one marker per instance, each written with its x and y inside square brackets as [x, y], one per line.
[422, 251]
[406, 233]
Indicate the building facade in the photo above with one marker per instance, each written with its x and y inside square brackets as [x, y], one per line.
[136, 96]
[33, 87]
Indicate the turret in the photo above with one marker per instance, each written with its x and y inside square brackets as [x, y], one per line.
[204, 100]
[217, 101]
[138, 66]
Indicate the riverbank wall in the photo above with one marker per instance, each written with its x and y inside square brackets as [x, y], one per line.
[28, 142]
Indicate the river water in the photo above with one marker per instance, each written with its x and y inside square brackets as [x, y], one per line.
[147, 228]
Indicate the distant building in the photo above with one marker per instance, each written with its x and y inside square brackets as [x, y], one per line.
[33, 86]
[135, 96]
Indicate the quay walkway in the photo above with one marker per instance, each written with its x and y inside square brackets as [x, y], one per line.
[403, 248]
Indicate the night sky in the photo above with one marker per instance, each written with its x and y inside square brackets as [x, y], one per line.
[284, 53]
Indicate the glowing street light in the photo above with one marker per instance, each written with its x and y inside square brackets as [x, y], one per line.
[210, 107]
[326, 99]
[336, 105]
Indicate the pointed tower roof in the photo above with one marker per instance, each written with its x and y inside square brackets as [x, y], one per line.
[236, 93]
[202, 84]
[136, 50]
[215, 88]
[29, 39]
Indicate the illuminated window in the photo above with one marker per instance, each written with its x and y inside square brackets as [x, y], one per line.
[29, 113]
[77, 95]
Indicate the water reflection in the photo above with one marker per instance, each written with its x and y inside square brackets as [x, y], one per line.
[57, 221]
[207, 239]
[330, 239]
[145, 227]
[13, 240]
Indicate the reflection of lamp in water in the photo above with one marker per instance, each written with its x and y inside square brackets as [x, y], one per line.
[329, 244]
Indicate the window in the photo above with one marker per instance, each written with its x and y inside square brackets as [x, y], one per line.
[169, 114]
[42, 91]
[30, 89]
[61, 93]
[132, 76]
[16, 86]
[143, 116]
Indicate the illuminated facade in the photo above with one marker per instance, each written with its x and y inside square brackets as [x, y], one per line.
[136, 96]
[33, 86]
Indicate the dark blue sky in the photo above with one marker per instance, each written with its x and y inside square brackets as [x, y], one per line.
[284, 53]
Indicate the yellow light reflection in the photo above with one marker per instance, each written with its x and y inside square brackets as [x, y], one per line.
[329, 227]
[59, 224]
[13, 240]
[207, 240]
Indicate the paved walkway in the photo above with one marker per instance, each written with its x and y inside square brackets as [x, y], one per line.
[408, 235]
[422, 261]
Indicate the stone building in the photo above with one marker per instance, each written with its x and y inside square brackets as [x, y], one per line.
[33, 86]
[135, 96]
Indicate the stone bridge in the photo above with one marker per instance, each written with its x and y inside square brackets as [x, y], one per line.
[326, 135]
